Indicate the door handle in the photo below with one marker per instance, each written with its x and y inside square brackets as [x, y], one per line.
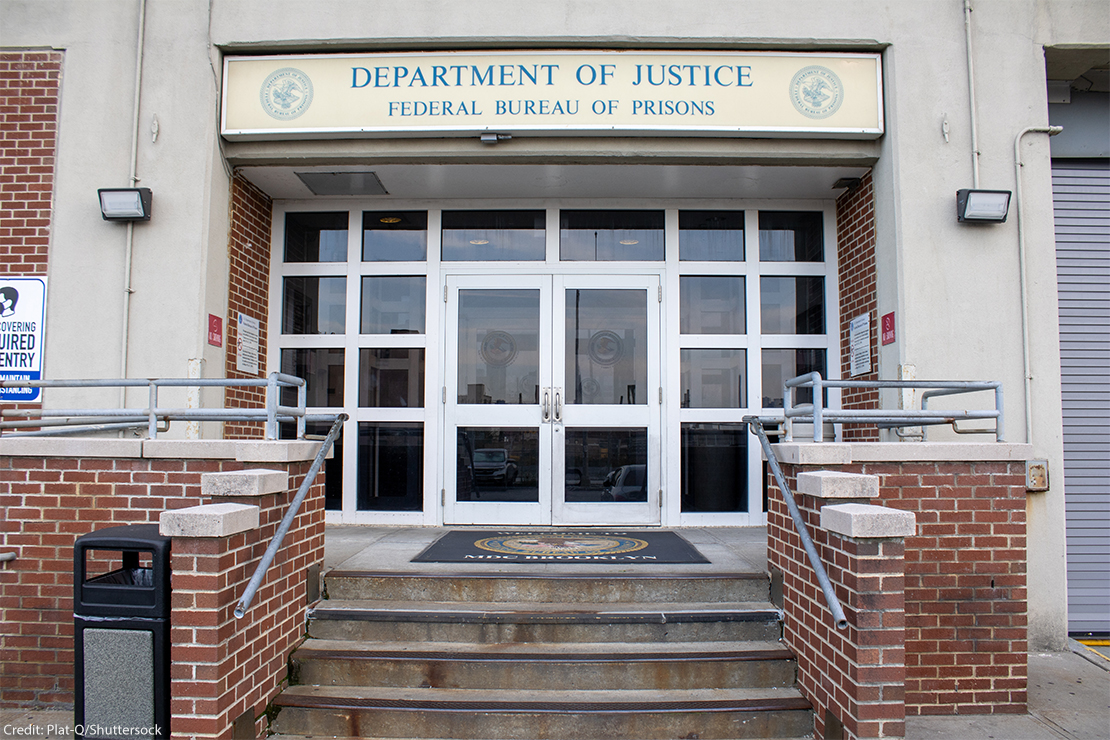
[558, 405]
[546, 405]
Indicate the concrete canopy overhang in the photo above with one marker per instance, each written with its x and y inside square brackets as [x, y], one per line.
[563, 168]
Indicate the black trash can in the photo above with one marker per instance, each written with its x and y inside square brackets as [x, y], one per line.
[121, 633]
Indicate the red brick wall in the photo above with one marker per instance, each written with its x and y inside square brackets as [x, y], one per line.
[966, 595]
[248, 292]
[51, 501]
[855, 220]
[223, 666]
[856, 676]
[29, 89]
[965, 582]
[29, 84]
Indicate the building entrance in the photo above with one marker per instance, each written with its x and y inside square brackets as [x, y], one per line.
[553, 396]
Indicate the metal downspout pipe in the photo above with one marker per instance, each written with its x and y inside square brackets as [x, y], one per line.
[134, 178]
[971, 98]
[1026, 366]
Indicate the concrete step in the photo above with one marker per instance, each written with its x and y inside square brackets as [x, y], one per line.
[516, 667]
[546, 588]
[579, 621]
[808, 736]
[466, 714]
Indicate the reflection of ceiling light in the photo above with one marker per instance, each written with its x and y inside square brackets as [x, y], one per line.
[630, 241]
[390, 220]
[479, 241]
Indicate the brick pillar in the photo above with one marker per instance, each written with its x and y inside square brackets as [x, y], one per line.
[29, 91]
[855, 224]
[248, 292]
[227, 670]
[854, 678]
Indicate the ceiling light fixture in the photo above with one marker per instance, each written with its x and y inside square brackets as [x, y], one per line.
[629, 242]
[479, 241]
[390, 220]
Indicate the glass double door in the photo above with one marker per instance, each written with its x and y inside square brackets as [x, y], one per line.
[552, 398]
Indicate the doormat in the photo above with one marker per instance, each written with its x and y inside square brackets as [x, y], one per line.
[560, 547]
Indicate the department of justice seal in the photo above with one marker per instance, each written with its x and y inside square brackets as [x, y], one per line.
[557, 544]
[816, 92]
[606, 348]
[286, 93]
[498, 349]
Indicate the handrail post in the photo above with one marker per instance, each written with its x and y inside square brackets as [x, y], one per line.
[818, 408]
[1000, 420]
[787, 407]
[302, 405]
[271, 407]
[755, 424]
[152, 417]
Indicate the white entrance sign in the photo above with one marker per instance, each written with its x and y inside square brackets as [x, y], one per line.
[22, 319]
[859, 343]
[558, 92]
[246, 345]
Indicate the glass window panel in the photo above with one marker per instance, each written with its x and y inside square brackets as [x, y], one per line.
[393, 305]
[611, 235]
[494, 236]
[711, 305]
[316, 237]
[606, 346]
[390, 467]
[322, 368]
[333, 466]
[713, 378]
[791, 236]
[714, 467]
[605, 465]
[792, 305]
[499, 355]
[314, 305]
[711, 236]
[497, 464]
[780, 365]
[391, 377]
[394, 236]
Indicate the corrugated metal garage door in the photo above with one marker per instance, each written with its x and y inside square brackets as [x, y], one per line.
[1081, 192]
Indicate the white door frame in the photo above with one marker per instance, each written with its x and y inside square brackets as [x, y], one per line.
[551, 416]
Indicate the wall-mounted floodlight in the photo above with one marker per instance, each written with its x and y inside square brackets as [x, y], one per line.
[125, 204]
[982, 206]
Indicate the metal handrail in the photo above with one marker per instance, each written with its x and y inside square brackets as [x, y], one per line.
[817, 413]
[756, 424]
[78, 421]
[287, 521]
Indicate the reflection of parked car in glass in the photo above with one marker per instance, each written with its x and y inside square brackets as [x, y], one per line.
[627, 483]
[494, 465]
